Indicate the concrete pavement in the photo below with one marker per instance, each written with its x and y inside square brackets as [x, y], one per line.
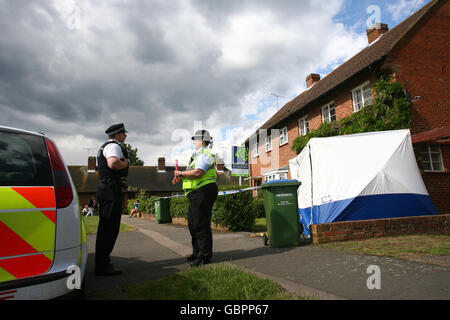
[159, 250]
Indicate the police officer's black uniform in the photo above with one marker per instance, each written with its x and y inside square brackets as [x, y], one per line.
[109, 195]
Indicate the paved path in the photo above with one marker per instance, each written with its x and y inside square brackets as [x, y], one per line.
[158, 250]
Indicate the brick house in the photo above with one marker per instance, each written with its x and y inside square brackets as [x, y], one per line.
[415, 53]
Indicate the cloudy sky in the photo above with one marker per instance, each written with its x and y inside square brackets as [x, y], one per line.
[166, 68]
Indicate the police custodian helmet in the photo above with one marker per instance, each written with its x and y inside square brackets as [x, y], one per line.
[115, 128]
[203, 135]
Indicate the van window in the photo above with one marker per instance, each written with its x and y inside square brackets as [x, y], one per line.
[23, 160]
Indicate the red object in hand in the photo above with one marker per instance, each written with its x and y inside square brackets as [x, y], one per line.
[176, 169]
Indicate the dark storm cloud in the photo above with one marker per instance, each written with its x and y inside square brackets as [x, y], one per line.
[158, 66]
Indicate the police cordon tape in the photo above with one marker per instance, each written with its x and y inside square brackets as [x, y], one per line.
[220, 193]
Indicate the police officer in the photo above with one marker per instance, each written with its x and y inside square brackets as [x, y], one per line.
[199, 184]
[113, 163]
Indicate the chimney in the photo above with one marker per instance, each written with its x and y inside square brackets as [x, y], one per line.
[161, 164]
[311, 79]
[220, 165]
[374, 32]
[92, 162]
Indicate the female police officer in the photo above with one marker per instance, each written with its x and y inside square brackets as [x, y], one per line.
[199, 184]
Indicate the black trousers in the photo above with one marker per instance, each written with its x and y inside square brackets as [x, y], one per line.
[199, 219]
[109, 197]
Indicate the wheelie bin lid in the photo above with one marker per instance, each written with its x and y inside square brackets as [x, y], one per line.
[280, 183]
[160, 198]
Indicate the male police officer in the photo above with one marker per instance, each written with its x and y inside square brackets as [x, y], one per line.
[113, 163]
[199, 184]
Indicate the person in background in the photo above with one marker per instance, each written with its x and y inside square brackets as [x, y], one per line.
[135, 210]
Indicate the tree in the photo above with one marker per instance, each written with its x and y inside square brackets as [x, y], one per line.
[134, 159]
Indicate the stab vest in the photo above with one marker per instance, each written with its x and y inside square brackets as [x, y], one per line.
[103, 170]
[209, 176]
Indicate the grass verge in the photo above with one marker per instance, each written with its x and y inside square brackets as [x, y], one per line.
[92, 224]
[215, 282]
[417, 247]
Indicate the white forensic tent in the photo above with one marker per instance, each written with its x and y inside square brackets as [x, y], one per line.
[358, 177]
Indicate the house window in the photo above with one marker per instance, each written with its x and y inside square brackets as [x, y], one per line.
[362, 96]
[283, 136]
[432, 158]
[268, 143]
[275, 175]
[255, 149]
[328, 113]
[303, 126]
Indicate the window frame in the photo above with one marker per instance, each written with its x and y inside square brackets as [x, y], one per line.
[428, 153]
[360, 88]
[284, 136]
[269, 137]
[327, 106]
[304, 120]
[275, 175]
[255, 149]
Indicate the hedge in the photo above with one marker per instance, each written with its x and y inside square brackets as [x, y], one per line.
[146, 204]
[236, 211]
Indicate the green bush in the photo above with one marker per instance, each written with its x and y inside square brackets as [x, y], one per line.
[146, 204]
[258, 208]
[236, 211]
[179, 207]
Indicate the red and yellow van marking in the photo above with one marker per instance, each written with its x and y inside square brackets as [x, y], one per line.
[27, 231]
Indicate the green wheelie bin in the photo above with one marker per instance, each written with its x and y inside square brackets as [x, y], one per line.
[162, 212]
[281, 208]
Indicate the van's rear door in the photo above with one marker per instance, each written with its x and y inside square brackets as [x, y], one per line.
[27, 206]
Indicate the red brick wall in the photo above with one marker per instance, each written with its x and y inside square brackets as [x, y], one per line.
[420, 61]
[365, 229]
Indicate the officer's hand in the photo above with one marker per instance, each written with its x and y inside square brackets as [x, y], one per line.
[175, 180]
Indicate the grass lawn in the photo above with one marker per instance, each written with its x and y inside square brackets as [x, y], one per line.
[215, 282]
[413, 247]
[92, 224]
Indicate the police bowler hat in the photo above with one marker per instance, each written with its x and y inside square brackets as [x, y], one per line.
[203, 135]
[115, 128]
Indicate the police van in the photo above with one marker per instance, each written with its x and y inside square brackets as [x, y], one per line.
[43, 249]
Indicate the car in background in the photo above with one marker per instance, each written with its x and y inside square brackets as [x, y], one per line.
[42, 234]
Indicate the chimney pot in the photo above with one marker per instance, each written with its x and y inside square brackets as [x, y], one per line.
[311, 79]
[374, 32]
[162, 164]
[92, 163]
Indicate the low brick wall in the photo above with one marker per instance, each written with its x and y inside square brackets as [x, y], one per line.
[364, 229]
